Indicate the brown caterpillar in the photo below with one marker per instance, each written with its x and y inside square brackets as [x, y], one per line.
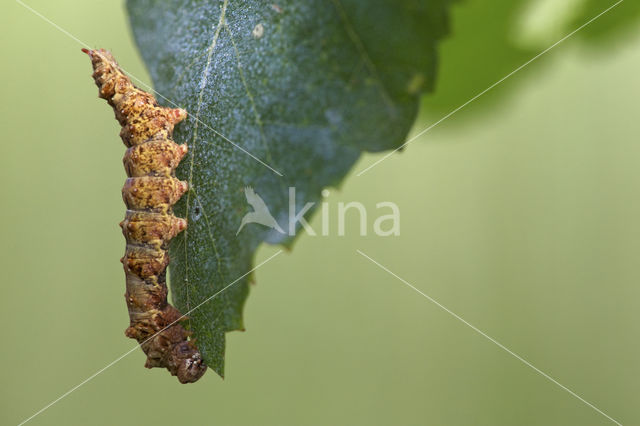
[149, 193]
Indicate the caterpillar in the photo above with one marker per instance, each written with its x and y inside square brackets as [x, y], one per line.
[149, 193]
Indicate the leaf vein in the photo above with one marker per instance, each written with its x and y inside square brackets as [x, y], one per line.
[203, 84]
[254, 108]
[357, 42]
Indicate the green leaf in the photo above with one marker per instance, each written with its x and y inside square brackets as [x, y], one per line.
[304, 86]
[486, 45]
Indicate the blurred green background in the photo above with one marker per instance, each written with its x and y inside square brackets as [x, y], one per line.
[520, 214]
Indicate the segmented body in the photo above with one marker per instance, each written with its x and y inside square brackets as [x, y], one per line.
[149, 194]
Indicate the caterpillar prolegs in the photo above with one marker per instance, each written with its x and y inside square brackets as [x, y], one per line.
[149, 194]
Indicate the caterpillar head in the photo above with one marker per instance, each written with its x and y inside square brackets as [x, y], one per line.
[190, 363]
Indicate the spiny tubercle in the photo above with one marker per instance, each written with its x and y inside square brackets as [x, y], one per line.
[149, 194]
